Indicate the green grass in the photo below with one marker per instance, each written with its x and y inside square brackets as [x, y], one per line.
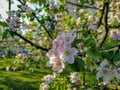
[20, 79]
[24, 79]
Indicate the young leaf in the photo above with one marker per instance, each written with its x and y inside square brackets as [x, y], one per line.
[93, 53]
[78, 65]
[3, 24]
[78, 41]
[11, 33]
[4, 35]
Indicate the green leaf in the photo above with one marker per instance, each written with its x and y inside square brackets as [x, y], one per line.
[89, 42]
[82, 2]
[105, 55]
[11, 33]
[19, 6]
[4, 35]
[93, 53]
[117, 56]
[88, 62]
[78, 65]
[78, 41]
[3, 24]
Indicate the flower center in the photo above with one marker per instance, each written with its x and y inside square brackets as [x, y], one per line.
[104, 71]
[58, 63]
[67, 38]
[67, 52]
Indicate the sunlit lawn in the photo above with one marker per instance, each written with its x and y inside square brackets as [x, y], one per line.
[24, 79]
[20, 79]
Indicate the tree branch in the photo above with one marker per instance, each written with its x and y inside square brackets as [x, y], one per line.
[114, 27]
[39, 22]
[100, 20]
[38, 47]
[23, 3]
[106, 24]
[9, 6]
[111, 47]
[85, 6]
[28, 41]
[43, 25]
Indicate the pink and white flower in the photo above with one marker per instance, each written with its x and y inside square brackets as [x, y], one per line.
[74, 77]
[62, 51]
[116, 73]
[48, 79]
[57, 64]
[115, 36]
[69, 37]
[68, 54]
[44, 86]
[104, 73]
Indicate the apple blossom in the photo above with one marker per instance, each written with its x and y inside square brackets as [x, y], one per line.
[57, 64]
[13, 21]
[62, 51]
[74, 77]
[104, 73]
[68, 54]
[92, 26]
[48, 79]
[104, 63]
[116, 73]
[44, 86]
[27, 9]
[69, 37]
[115, 36]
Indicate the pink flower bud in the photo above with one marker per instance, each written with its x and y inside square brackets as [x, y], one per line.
[17, 20]
[13, 11]
[8, 20]
[23, 8]
[17, 25]
[13, 29]
[115, 36]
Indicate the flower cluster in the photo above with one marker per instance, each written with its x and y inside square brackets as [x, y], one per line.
[74, 77]
[62, 51]
[107, 73]
[46, 81]
[27, 9]
[52, 5]
[13, 21]
[115, 36]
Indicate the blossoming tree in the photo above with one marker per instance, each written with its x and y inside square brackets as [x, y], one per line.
[83, 36]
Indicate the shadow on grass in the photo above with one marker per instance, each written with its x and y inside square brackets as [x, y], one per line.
[22, 80]
[16, 84]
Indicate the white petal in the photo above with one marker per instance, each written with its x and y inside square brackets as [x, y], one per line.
[107, 77]
[70, 59]
[49, 64]
[99, 74]
[74, 51]
[118, 76]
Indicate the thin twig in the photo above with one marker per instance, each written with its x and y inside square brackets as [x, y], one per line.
[9, 7]
[106, 24]
[102, 14]
[85, 6]
[111, 47]
[39, 22]
[42, 25]
[23, 3]
[115, 26]
[38, 47]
